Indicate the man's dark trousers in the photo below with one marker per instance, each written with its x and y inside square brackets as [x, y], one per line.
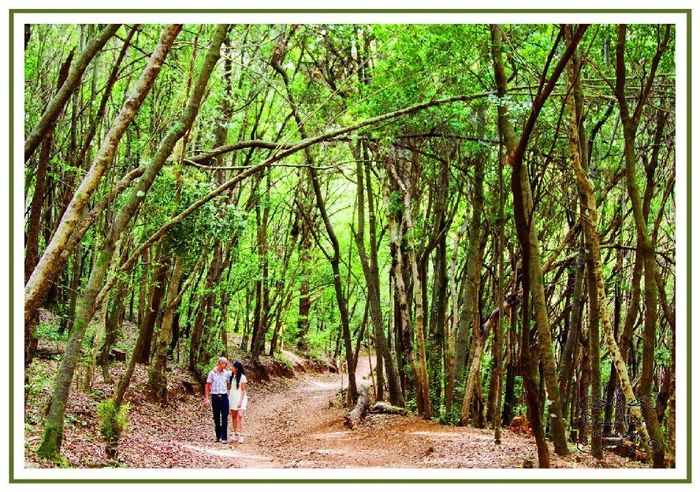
[219, 404]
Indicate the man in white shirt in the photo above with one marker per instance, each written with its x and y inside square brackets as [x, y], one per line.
[216, 395]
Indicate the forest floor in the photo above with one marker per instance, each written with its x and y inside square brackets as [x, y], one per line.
[291, 422]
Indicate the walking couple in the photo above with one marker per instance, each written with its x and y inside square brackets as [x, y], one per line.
[225, 391]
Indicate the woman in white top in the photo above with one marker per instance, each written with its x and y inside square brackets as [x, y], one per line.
[238, 399]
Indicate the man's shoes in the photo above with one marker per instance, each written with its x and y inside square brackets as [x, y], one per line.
[218, 440]
[224, 441]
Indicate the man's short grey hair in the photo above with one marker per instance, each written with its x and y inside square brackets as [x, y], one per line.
[222, 359]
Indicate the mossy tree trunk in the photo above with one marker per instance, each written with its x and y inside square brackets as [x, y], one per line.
[630, 123]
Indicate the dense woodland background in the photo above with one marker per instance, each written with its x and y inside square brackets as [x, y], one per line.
[487, 209]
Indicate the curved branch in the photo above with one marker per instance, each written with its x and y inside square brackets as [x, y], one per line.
[285, 153]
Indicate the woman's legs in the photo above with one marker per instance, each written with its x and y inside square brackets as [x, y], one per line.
[240, 425]
[234, 418]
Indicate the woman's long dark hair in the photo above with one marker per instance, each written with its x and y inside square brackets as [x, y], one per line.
[239, 372]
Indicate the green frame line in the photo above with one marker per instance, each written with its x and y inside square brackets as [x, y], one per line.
[350, 11]
[688, 19]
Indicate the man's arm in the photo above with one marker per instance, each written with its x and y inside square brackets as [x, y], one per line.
[207, 390]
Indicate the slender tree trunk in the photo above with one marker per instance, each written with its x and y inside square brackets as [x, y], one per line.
[342, 303]
[114, 320]
[612, 381]
[204, 305]
[320, 203]
[31, 254]
[579, 148]
[573, 333]
[392, 370]
[101, 329]
[450, 351]
[498, 329]
[73, 287]
[304, 308]
[470, 308]
[630, 122]
[527, 369]
[473, 381]
[157, 381]
[401, 300]
[142, 348]
[591, 224]
[371, 277]
[594, 355]
[262, 306]
[420, 365]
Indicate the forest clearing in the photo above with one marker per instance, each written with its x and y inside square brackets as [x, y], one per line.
[409, 245]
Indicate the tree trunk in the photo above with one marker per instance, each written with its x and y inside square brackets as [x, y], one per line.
[114, 320]
[73, 287]
[527, 370]
[202, 309]
[594, 355]
[142, 348]
[304, 308]
[591, 223]
[470, 307]
[630, 123]
[373, 294]
[573, 333]
[144, 285]
[157, 381]
[498, 329]
[420, 369]
[31, 255]
[451, 336]
[320, 203]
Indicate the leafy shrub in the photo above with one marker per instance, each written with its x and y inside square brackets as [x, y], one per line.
[411, 405]
[40, 381]
[449, 418]
[112, 419]
[282, 359]
[50, 331]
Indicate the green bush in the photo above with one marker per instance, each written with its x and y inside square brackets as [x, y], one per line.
[112, 419]
[282, 359]
[50, 331]
[449, 418]
[411, 405]
[39, 381]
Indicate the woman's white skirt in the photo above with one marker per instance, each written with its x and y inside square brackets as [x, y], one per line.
[234, 396]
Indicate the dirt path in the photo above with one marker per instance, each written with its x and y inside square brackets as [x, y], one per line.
[298, 422]
[290, 423]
